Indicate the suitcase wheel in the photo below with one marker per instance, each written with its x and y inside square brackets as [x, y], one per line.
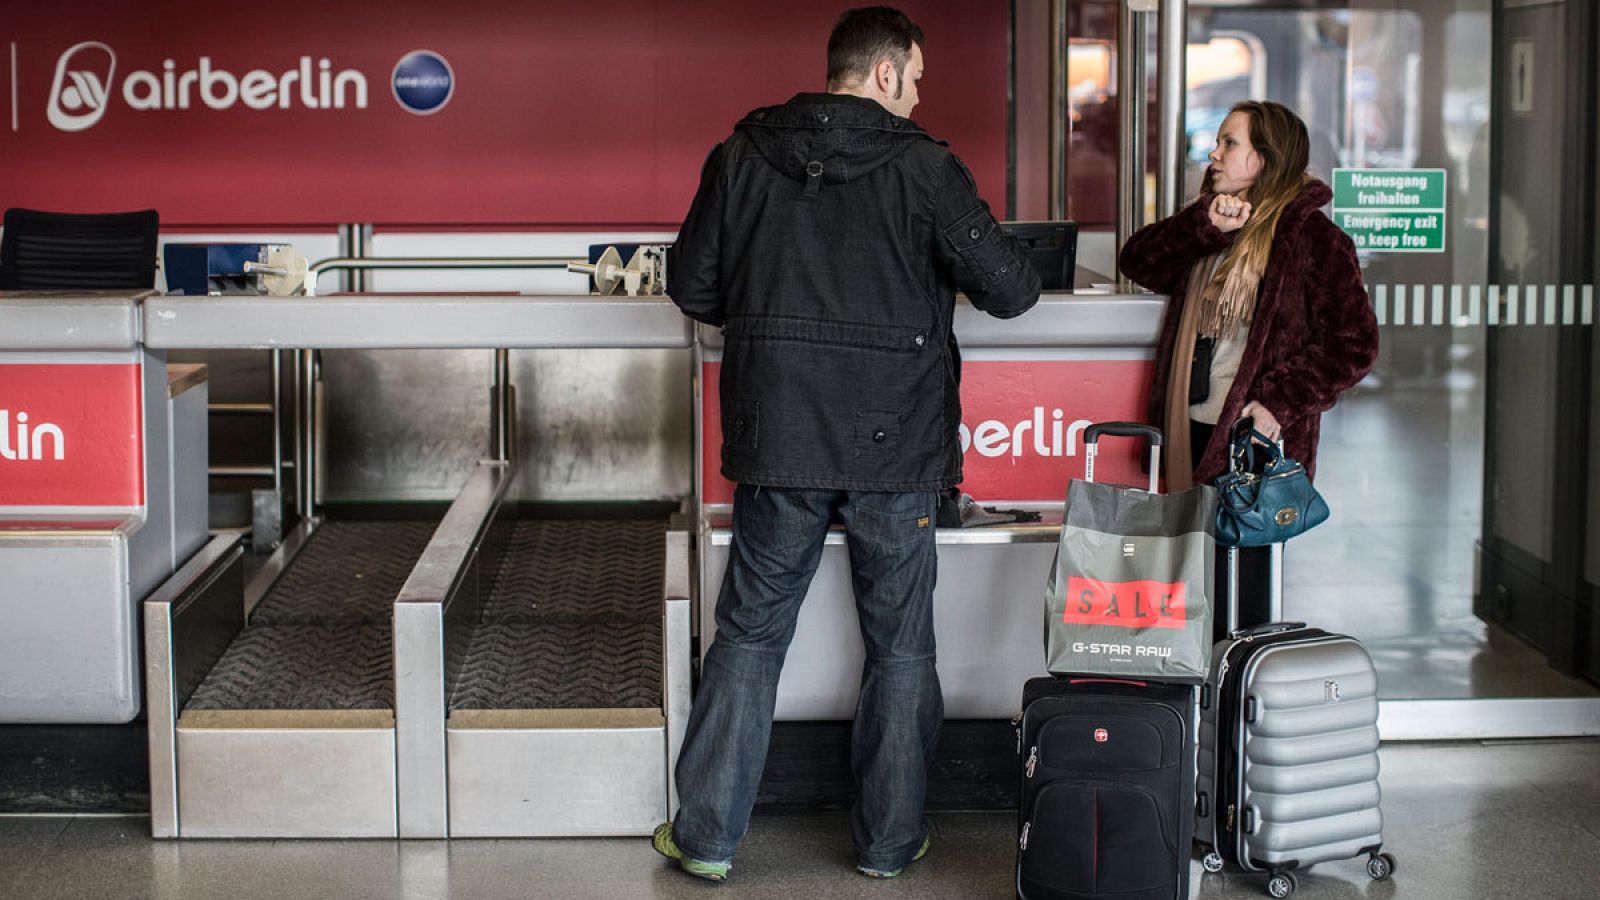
[1282, 885]
[1212, 862]
[1381, 866]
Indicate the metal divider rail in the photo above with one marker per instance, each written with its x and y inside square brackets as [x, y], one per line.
[446, 586]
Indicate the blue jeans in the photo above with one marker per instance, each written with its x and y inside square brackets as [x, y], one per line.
[777, 544]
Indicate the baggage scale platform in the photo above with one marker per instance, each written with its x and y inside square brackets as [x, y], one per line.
[290, 733]
[565, 651]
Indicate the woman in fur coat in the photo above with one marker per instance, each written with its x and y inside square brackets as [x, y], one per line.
[1268, 316]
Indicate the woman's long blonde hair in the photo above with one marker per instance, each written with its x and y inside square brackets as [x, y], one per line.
[1279, 137]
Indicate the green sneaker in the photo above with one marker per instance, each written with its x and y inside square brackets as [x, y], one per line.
[662, 841]
[879, 873]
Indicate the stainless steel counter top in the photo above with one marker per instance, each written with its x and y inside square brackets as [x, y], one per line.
[414, 321]
[90, 321]
[1061, 319]
[113, 321]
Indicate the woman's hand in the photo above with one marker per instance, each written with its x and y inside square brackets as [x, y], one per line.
[1228, 212]
[1266, 422]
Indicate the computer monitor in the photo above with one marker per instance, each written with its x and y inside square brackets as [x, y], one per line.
[1052, 247]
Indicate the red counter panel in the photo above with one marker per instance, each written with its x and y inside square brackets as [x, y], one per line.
[71, 435]
[1022, 426]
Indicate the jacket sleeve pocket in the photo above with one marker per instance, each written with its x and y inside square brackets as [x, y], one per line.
[985, 252]
[980, 258]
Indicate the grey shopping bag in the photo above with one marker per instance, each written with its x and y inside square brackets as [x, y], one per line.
[1130, 591]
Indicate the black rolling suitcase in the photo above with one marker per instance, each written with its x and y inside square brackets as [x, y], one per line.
[1107, 789]
[1106, 807]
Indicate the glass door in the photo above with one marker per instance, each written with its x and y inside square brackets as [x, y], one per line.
[1462, 472]
[1451, 468]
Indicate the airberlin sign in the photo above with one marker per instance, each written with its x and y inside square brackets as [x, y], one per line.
[85, 86]
[413, 113]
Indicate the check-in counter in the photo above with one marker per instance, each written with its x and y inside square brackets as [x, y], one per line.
[93, 514]
[1029, 386]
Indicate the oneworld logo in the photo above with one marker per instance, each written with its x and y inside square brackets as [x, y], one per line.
[84, 85]
[423, 82]
[30, 442]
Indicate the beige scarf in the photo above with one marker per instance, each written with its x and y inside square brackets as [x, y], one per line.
[1227, 301]
[1200, 305]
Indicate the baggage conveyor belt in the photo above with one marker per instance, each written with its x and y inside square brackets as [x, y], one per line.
[572, 620]
[321, 637]
[500, 672]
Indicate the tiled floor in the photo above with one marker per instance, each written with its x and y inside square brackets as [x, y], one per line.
[1465, 820]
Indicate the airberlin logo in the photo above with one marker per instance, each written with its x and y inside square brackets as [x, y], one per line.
[1056, 437]
[85, 86]
[82, 86]
[30, 442]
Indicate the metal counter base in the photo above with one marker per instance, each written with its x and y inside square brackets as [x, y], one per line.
[286, 774]
[557, 773]
[988, 622]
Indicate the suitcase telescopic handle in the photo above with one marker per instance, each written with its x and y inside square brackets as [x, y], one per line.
[1107, 681]
[1091, 446]
[1269, 628]
[1091, 435]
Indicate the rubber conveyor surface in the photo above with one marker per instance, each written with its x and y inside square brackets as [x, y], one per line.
[321, 637]
[573, 620]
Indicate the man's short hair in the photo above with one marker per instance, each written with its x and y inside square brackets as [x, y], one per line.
[863, 37]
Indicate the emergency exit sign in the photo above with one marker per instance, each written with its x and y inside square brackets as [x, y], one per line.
[1391, 210]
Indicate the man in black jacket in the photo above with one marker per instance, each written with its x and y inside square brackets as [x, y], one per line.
[827, 239]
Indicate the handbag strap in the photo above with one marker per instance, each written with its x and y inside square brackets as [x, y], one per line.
[1244, 442]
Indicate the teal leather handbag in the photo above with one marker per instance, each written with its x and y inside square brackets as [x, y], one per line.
[1257, 508]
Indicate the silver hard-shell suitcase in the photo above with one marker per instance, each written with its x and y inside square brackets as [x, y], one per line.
[1288, 755]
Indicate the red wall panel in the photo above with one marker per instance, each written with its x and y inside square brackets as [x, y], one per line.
[562, 114]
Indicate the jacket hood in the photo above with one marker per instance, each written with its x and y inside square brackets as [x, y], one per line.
[848, 136]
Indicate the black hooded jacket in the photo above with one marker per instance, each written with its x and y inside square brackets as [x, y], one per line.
[828, 238]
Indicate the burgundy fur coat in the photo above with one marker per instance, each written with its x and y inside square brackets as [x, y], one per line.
[1314, 334]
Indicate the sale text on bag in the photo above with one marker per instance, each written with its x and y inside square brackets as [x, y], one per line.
[1125, 604]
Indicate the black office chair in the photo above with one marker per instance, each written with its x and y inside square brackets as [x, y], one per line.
[51, 251]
